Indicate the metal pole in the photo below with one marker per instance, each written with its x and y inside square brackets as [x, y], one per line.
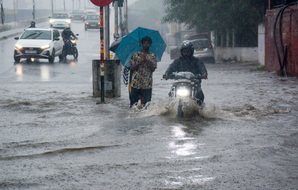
[33, 12]
[107, 32]
[64, 5]
[2, 12]
[52, 7]
[72, 5]
[116, 34]
[126, 17]
[102, 55]
[121, 21]
[14, 10]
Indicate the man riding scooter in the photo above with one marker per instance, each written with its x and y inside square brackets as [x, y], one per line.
[188, 63]
[66, 34]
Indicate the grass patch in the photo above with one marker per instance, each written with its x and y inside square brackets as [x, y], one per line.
[4, 37]
[259, 68]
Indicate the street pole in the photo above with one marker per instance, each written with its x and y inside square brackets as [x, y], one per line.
[72, 5]
[116, 34]
[107, 32]
[33, 12]
[2, 12]
[64, 5]
[52, 7]
[102, 56]
[14, 10]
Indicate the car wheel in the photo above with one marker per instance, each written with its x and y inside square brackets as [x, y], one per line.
[16, 59]
[52, 57]
[75, 52]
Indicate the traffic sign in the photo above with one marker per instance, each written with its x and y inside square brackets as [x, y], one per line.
[101, 3]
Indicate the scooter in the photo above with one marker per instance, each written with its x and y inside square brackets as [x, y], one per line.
[71, 45]
[184, 89]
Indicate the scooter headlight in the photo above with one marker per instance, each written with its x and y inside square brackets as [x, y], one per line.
[182, 92]
[73, 41]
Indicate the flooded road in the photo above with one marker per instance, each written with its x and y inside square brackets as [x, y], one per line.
[54, 135]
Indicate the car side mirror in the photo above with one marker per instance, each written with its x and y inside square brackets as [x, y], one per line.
[16, 38]
[49, 16]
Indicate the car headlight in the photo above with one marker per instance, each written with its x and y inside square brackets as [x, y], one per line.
[87, 23]
[45, 47]
[52, 21]
[68, 21]
[18, 46]
[182, 92]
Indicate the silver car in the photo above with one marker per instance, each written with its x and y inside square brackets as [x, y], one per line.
[60, 20]
[203, 50]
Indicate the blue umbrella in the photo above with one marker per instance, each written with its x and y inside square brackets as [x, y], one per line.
[132, 43]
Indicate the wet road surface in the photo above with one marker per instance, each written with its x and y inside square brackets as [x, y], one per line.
[54, 135]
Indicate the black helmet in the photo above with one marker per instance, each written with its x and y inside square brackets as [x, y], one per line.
[32, 23]
[187, 45]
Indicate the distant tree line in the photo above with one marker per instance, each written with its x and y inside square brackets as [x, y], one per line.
[229, 19]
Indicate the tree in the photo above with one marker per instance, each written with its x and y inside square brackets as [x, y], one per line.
[240, 17]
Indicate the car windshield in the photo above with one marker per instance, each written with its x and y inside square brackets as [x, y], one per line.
[36, 34]
[201, 44]
[93, 17]
[78, 12]
[59, 16]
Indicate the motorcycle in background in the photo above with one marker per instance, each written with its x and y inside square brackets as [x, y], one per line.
[71, 47]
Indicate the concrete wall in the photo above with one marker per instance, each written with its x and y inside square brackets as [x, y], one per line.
[237, 54]
[261, 44]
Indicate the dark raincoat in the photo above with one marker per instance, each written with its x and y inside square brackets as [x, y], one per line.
[181, 64]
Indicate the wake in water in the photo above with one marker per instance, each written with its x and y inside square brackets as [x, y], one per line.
[169, 107]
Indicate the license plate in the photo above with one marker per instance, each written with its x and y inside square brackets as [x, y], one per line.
[199, 49]
[60, 24]
[93, 25]
[30, 51]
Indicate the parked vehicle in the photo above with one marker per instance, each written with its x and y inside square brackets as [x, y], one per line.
[92, 22]
[203, 50]
[39, 43]
[71, 47]
[59, 20]
[184, 90]
[78, 15]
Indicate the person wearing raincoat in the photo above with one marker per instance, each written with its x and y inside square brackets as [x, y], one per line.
[188, 63]
[142, 65]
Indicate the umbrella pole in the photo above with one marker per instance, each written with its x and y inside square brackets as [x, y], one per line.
[102, 56]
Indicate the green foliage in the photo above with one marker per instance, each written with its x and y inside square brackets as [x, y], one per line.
[216, 15]
[239, 16]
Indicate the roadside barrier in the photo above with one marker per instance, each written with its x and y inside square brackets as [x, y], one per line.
[21, 23]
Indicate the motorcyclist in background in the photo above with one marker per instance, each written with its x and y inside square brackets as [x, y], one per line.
[188, 63]
[32, 24]
[66, 34]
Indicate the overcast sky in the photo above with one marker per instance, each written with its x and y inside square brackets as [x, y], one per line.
[46, 4]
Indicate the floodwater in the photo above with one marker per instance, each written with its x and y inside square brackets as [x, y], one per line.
[55, 135]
